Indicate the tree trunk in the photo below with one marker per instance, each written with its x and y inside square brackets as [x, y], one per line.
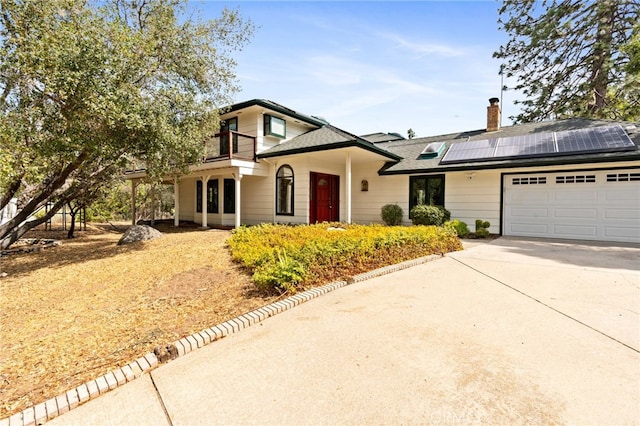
[11, 191]
[16, 232]
[9, 228]
[72, 212]
[601, 67]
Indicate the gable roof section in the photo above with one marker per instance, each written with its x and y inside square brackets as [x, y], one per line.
[273, 106]
[325, 138]
[412, 163]
[382, 137]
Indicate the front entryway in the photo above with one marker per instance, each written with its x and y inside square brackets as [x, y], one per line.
[324, 205]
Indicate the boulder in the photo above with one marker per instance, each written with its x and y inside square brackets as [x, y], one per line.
[139, 233]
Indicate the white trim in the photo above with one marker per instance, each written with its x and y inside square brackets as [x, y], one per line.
[176, 203]
[348, 186]
[205, 181]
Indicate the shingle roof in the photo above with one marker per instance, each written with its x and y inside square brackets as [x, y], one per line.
[382, 137]
[265, 103]
[322, 139]
[410, 150]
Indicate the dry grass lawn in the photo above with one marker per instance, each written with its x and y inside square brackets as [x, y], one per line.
[71, 313]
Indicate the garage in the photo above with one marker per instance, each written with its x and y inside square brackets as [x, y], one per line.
[602, 205]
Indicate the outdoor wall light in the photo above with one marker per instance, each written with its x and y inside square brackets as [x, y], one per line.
[364, 185]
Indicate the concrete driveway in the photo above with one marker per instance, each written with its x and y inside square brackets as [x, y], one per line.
[513, 331]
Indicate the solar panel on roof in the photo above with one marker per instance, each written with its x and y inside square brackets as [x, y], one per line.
[472, 149]
[525, 145]
[592, 140]
[597, 139]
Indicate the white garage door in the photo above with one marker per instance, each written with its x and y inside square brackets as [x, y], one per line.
[585, 205]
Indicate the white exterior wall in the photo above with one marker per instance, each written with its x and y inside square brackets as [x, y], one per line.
[474, 195]
[393, 189]
[251, 123]
[258, 195]
[187, 194]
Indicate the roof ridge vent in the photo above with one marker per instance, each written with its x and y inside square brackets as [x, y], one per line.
[433, 150]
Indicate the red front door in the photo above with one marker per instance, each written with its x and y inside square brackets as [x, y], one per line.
[325, 198]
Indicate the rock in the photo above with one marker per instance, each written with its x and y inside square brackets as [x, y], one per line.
[165, 353]
[139, 233]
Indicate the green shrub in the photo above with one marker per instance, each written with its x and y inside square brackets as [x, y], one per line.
[446, 213]
[482, 228]
[391, 214]
[290, 258]
[282, 275]
[427, 215]
[461, 228]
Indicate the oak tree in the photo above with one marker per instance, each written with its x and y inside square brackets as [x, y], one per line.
[87, 86]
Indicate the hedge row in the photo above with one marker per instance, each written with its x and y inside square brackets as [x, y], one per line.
[290, 258]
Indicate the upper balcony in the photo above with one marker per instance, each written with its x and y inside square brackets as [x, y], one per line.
[223, 146]
[230, 144]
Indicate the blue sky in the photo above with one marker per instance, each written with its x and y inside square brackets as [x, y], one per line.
[374, 66]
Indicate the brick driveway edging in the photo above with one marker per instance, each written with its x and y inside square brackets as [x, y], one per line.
[41, 413]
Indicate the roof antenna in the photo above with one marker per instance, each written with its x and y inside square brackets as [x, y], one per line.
[501, 89]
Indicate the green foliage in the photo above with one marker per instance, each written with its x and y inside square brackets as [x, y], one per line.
[461, 228]
[567, 57]
[288, 258]
[627, 99]
[283, 274]
[391, 214]
[88, 87]
[428, 215]
[446, 214]
[482, 228]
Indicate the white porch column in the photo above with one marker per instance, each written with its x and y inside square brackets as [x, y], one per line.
[152, 192]
[348, 189]
[133, 201]
[205, 179]
[238, 178]
[176, 203]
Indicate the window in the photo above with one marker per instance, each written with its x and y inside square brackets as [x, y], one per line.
[576, 179]
[229, 196]
[229, 125]
[212, 196]
[274, 126]
[199, 196]
[623, 177]
[529, 181]
[284, 190]
[427, 190]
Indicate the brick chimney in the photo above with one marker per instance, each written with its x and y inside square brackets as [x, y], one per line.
[493, 115]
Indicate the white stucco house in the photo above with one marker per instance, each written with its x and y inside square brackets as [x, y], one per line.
[574, 178]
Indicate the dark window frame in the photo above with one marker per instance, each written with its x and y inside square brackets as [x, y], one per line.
[229, 196]
[280, 181]
[199, 196]
[212, 196]
[268, 127]
[429, 185]
[230, 124]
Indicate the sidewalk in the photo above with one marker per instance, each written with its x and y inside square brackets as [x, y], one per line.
[512, 331]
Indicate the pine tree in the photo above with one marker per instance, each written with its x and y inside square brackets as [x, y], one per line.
[567, 57]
